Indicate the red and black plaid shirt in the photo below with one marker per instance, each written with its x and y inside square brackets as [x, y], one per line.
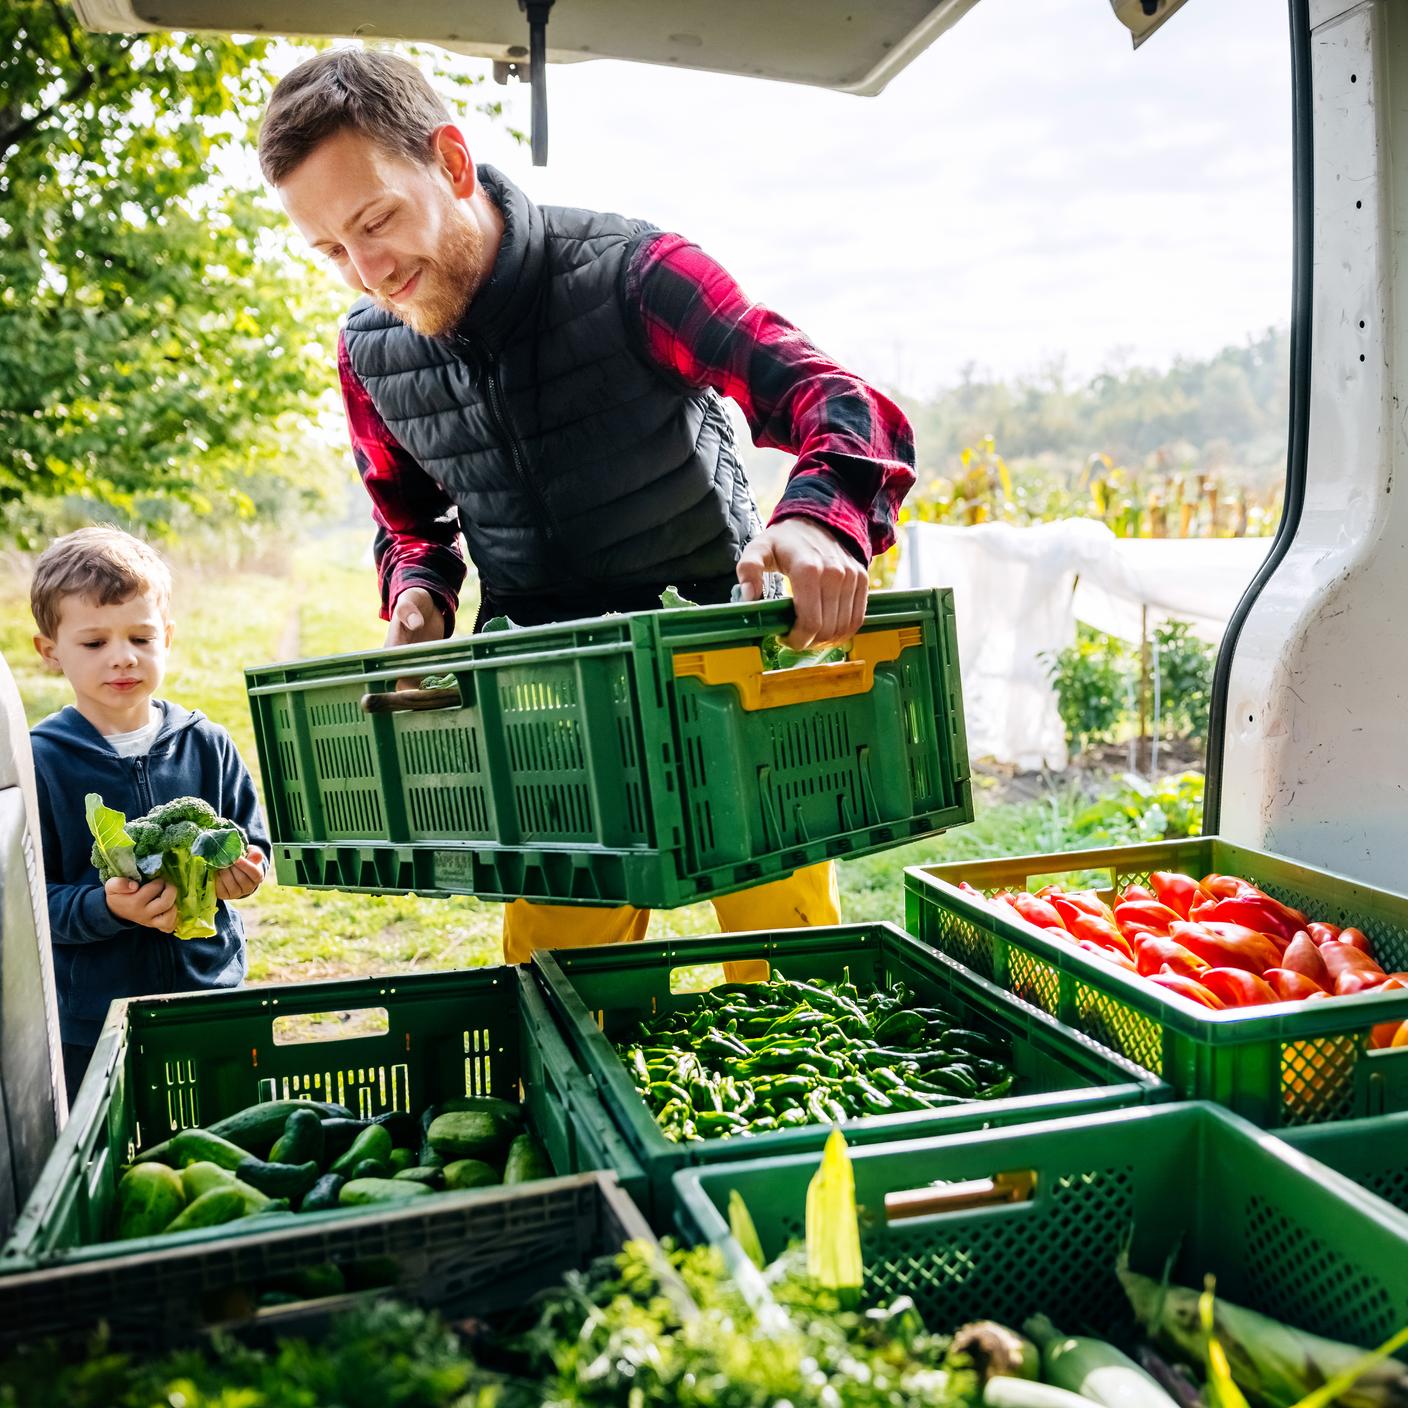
[854, 447]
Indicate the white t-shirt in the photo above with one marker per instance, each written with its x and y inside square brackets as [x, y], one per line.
[137, 743]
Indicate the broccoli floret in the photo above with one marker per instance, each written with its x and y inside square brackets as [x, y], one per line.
[185, 809]
[146, 837]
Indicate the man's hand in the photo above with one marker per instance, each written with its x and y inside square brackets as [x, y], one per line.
[829, 587]
[415, 618]
[243, 878]
[152, 904]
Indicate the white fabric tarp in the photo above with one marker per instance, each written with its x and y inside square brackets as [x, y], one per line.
[1019, 592]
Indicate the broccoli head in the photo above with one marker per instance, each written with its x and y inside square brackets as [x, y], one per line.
[183, 841]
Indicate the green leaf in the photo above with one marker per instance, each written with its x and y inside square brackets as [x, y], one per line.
[740, 1223]
[671, 600]
[109, 831]
[219, 848]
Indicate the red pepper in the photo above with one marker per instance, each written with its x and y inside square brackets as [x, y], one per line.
[1111, 955]
[1322, 933]
[1178, 892]
[1153, 954]
[1301, 956]
[1145, 916]
[1340, 958]
[1226, 887]
[1187, 987]
[1101, 932]
[1252, 912]
[1238, 988]
[1229, 946]
[1291, 986]
[1356, 938]
[1037, 911]
[1138, 892]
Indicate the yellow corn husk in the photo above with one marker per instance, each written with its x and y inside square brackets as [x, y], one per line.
[833, 1229]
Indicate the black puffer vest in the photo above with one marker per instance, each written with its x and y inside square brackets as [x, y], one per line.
[586, 478]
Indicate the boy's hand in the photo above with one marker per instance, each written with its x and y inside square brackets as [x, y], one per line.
[152, 905]
[243, 878]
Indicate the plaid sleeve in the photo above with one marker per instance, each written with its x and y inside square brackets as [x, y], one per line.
[417, 526]
[854, 447]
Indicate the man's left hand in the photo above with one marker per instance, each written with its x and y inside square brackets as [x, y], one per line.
[829, 586]
[243, 878]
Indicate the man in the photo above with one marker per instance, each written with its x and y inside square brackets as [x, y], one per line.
[546, 382]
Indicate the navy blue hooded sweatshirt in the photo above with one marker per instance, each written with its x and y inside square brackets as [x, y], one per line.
[98, 957]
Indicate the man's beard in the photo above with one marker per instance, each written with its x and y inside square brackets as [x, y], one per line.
[447, 282]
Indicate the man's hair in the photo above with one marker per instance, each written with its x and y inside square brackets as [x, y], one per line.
[371, 91]
[102, 563]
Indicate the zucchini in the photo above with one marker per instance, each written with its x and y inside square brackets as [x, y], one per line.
[148, 1198]
[432, 1175]
[1004, 1391]
[211, 1209]
[323, 1194]
[371, 1168]
[402, 1159]
[301, 1140]
[468, 1134]
[1093, 1369]
[526, 1161]
[256, 1127]
[357, 1192]
[471, 1173]
[374, 1142]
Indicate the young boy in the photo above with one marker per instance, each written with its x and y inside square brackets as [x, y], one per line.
[101, 600]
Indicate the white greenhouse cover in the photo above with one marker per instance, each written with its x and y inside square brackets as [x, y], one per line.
[1019, 592]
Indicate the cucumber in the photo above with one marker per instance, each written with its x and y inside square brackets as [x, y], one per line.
[358, 1192]
[402, 1159]
[471, 1173]
[505, 1111]
[468, 1134]
[323, 1194]
[374, 1142]
[372, 1168]
[338, 1135]
[526, 1161]
[404, 1129]
[301, 1140]
[428, 1157]
[148, 1198]
[211, 1209]
[201, 1177]
[431, 1175]
[256, 1127]
[289, 1181]
[193, 1146]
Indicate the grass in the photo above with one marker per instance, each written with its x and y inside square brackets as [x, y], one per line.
[322, 600]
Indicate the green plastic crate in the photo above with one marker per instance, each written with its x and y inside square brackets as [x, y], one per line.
[599, 992]
[1283, 1065]
[164, 1064]
[1373, 1152]
[643, 759]
[1191, 1182]
[463, 1255]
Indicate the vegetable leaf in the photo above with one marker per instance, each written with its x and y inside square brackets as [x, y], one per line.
[109, 831]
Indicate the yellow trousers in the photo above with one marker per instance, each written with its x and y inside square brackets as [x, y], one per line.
[803, 899]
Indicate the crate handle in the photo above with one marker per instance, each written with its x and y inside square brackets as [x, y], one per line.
[1014, 1187]
[742, 667]
[393, 701]
[343, 1024]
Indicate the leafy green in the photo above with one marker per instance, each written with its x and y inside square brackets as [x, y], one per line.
[777, 656]
[113, 852]
[671, 600]
[183, 841]
[497, 623]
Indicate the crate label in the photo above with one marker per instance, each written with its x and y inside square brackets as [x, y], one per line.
[454, 867]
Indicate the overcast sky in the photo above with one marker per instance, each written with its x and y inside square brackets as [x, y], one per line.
[1029, 188]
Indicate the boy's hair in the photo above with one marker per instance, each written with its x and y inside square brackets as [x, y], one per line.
[371, 91]
[102, 563]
